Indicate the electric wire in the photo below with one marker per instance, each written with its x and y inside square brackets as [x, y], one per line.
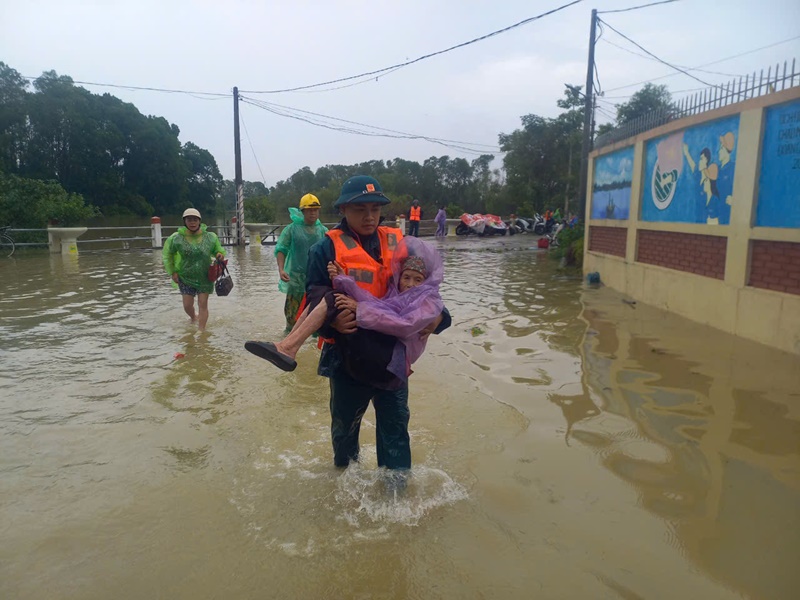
[264, 104]
[146, 89]
[319, 123]
[621, 10]
[629, 51]
[659, 59]
[253, 150]
[708, 64]
[420, 58]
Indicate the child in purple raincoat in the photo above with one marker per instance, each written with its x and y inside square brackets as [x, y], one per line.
[390, 334]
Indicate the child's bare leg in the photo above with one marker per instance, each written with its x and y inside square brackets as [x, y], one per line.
[306, 324]
[301, 318]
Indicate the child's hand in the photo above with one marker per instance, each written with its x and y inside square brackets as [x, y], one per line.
[334, 269]
[346, 302]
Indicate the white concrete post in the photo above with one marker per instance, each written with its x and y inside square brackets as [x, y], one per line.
[256, 232]
[64, 240]
[451, 227]
[155, 231]
[401, 223]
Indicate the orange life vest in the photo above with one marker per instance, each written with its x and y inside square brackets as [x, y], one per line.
[415, 213]
[369, 274]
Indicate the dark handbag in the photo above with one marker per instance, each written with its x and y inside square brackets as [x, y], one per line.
[224, 283]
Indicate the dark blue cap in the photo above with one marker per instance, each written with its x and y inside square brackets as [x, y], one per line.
[360, 190]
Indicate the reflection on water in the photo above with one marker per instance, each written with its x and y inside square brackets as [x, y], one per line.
[707, 428]
[565, 444]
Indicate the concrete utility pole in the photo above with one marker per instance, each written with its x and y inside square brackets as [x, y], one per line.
[587, 121]
[237, 157]
[569, 176]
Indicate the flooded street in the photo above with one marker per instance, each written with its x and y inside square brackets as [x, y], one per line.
[566, 444]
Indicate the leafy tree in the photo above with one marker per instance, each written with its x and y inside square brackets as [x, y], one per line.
[543, 158]
[453, 211]
[258, 209]
[205, 178]
[28, 203]
[13, 98]
[651, 97]
[100, 147]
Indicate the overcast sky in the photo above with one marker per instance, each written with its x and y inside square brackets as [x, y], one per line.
[470, 94]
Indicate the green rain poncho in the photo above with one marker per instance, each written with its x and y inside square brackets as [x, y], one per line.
[190, 256]
[294, 243]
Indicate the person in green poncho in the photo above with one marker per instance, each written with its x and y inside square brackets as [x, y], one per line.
[187, 255]
[291, 252]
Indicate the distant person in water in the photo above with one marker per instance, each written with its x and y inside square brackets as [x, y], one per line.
[441, 222]
[187, 254]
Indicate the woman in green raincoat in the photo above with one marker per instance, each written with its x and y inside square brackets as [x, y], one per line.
[291, 252]
[187, 255]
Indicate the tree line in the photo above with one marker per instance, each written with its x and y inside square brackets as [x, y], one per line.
[541, 162]
[95, 148]
[67, 154]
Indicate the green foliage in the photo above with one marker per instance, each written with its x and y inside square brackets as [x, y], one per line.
[570, 245]
[575, 253]
[542, 159]
[569, 235]
[258, 209]
[650, 97]
[453, 211]
[438, 181]
[100, 147]
[29, 203]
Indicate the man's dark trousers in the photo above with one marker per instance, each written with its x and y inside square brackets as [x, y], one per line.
[349, 401]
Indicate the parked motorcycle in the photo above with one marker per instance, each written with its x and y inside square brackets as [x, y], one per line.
[481, 225]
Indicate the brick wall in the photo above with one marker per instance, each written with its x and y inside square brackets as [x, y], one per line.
[693, 253]
[608, 240]
[775, 266]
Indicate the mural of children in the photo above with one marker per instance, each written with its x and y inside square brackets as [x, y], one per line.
[727, 143]
[690, 174]
[700, 170]
[714, 206]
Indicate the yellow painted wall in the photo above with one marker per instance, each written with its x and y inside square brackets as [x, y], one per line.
[768, 317]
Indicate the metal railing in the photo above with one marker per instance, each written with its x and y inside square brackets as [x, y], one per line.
[226, 234]
[759, 84]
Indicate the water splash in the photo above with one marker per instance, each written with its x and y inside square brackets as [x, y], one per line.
[370, 496]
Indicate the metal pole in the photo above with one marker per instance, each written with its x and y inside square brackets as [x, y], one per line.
[237, 157]
[569, 176]
[587, 121]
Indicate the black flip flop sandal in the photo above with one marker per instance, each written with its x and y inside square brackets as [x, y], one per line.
[268, 351]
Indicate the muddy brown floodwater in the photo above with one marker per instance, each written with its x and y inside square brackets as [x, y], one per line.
[566, 444]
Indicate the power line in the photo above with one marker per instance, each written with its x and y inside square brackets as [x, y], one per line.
[318, 123]
[247, 135]
[349, 85]
[708, 64]
[421, 58]
[264, 103]
[146, 89]
[606, 12]
[629, 51]
[657, 58]
[314, 119]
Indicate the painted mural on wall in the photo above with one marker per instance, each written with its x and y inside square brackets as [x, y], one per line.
[611, 189]
[779, 182]
[689, 174]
